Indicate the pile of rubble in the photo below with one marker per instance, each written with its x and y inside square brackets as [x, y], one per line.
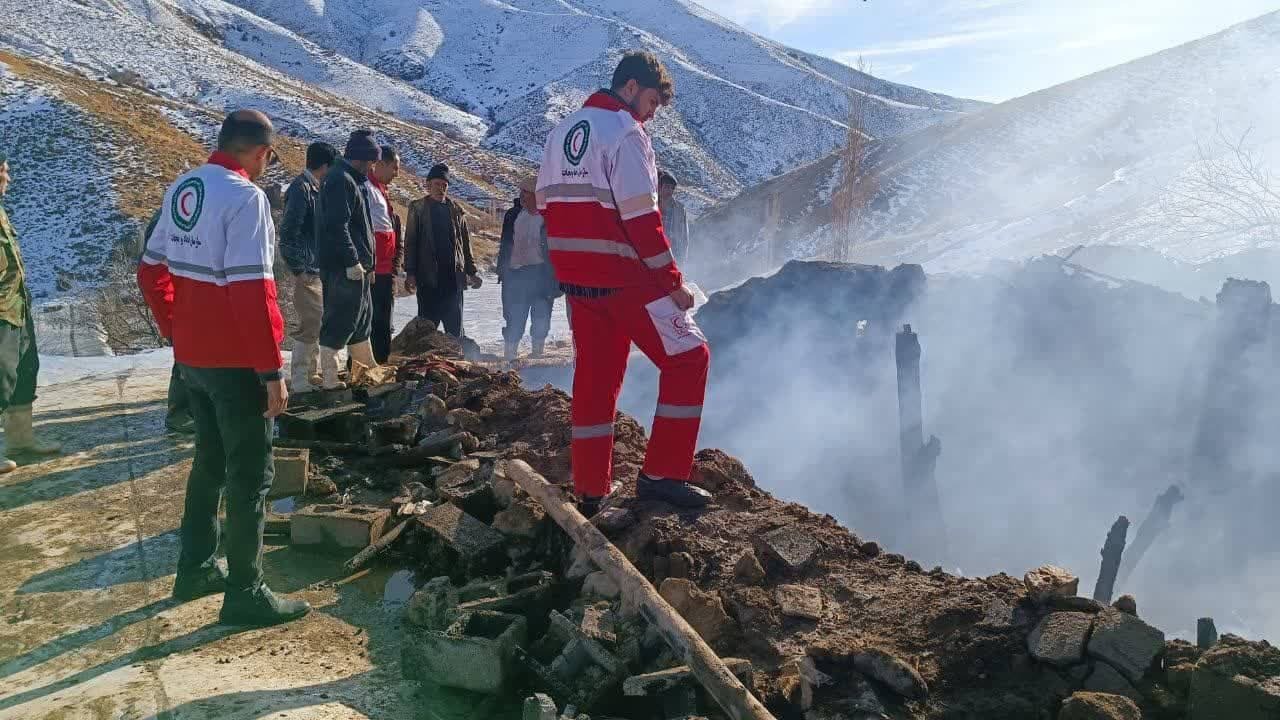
[817, 622]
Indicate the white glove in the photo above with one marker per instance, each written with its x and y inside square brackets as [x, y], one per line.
[355, 272]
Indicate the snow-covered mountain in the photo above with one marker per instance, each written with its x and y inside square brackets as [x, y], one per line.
[476, 84]
[1097, 161]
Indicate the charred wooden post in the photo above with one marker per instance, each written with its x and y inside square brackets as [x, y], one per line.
[1156, 522]
[918, 457]
[1206, 633]
[1112, 551]
[1230, 389]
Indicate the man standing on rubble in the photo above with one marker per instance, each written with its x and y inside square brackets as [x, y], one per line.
[598, 192]
[437, 254]
[344, 238]
[19, 360]
[207, 276]
[388, 248]
[298, 248]
[674, 219]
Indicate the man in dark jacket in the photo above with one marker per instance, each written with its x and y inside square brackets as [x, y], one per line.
[529, 286]
[437, 255]
[344, 240]
[298, 248]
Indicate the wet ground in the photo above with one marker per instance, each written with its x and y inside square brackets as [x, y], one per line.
[87, 627]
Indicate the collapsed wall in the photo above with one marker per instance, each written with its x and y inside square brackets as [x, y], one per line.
[822, 623]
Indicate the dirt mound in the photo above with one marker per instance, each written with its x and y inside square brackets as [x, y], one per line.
[419, 337]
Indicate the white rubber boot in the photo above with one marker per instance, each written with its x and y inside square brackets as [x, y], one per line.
[19, 435]
[302, 369]
[329, 369]
[362, 352]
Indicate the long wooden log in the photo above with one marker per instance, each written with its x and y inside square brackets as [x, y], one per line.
[1112, 551]
[728, 691]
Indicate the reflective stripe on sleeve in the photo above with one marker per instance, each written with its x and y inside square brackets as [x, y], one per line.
[660, 260]
[567, 192]
[639, 205]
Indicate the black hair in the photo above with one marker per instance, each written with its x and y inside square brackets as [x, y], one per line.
[389, 153]
[244, 130]
[647, 70]
[320, 154]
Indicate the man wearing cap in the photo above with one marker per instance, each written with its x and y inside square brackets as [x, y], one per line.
[674, 219]
[207, 276]
[19, 362]
[437, 254]
[529, 286]
[598, 193]
[345, 245]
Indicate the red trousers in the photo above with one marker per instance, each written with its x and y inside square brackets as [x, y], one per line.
[603, 330]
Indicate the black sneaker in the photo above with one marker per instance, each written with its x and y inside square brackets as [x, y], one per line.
[260, 607]
[674, 492]
[204, 580]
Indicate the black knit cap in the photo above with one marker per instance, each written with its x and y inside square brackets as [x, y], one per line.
[440, 171]
[361, 146]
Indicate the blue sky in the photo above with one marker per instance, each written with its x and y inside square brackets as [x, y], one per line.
[987, 49]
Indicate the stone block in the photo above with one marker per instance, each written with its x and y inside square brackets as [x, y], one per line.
[1106, 679]
[476, 652]
[1059, 638]
[523, 518]
[539, 707]
[291, 467]
[1048, 581]
[460, 544]
[464, 484]
[792, 546]
[529, 595]
[1098, 706]
[352, 527]
[799, 601]
[892, 672]
[1125, 642]
[748, 569]
[599, 584]
[614, 520]
[435, 605]
[702, 610]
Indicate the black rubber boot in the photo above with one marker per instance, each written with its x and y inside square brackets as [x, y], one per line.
[589, 506]
[260, 607]
[674, 492]
[204, 580]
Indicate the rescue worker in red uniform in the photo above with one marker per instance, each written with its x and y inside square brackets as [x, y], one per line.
[598, 193]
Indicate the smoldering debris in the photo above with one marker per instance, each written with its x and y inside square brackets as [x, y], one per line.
[818, 621]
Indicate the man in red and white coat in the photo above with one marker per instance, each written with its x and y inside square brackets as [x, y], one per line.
[598, 193]
[207, 276]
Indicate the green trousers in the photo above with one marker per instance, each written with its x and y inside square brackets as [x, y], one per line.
[233, 455]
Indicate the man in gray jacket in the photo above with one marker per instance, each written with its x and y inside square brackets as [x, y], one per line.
[674, 219]
[298, 248]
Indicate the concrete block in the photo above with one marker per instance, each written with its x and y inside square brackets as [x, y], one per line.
[792, 546]
[799, 601]
[476, 652]
[387, 400]
[1059, 638]
[528, 595]
[1125, 642]
[344, 422]
[435, 605]
[572, 666]
[1049, 581]
[353, 527]
[291, 466]
[466, 485]
[459, 544]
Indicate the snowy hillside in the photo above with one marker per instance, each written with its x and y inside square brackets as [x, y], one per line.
[1093, 161]
[522, 65]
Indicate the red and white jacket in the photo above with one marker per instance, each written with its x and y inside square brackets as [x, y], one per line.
[384, 229]
[598, 193]
[206, 272]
